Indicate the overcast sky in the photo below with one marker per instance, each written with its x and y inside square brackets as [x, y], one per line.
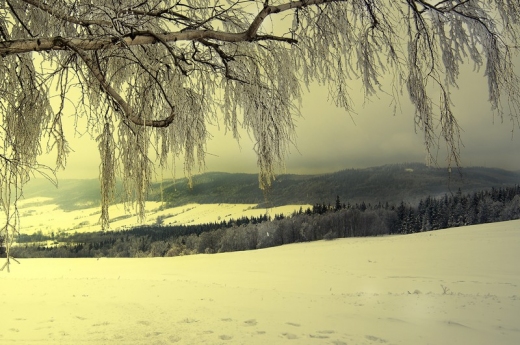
[328, 139]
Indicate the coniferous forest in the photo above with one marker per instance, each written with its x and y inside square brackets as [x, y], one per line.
[323, 221]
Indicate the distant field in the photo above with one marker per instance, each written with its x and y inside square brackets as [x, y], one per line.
[41, 214]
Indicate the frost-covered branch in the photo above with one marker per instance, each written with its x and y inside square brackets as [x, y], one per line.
[127, 110]
[146, 37]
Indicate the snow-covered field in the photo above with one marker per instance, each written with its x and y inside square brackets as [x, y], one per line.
[40, 214]
[455, 286]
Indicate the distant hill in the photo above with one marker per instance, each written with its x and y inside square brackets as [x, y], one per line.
[70, 193]
[389, 183]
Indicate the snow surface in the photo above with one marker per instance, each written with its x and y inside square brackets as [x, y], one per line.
[454, 286]
[40, 214]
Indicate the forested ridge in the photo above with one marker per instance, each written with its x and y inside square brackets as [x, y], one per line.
[323, 221]
[408, 182]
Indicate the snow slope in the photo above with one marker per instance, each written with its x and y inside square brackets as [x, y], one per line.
[454, 286]
[40, 214]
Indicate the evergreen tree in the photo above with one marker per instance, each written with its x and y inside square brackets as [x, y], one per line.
[337, 206]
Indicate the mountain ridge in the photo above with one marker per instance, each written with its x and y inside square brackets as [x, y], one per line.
[408, 182]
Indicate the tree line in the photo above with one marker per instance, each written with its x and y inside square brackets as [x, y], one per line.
[322, 221]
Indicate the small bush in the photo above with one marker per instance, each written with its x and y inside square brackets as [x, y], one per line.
[329, 236]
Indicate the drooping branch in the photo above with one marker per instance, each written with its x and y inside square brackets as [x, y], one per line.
[71, 19]
[127, 110]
